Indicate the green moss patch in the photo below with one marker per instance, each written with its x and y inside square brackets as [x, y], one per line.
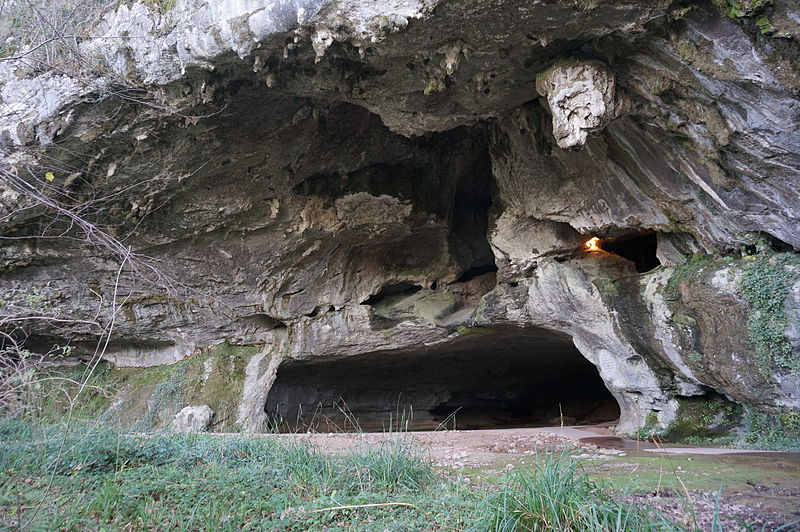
[778, 431]
[704, 418]
[606, 287]
[146, 399]
[742, 8]
[684, 272]
[722, 423]
[766, 284]
[683, 320]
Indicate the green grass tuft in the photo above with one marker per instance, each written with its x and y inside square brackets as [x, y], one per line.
[559, 496]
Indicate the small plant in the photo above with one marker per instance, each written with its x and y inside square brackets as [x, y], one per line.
[672, 290]
[742, 8]
[558, 496]
[393, 466]
[776, 431]
[766, 284]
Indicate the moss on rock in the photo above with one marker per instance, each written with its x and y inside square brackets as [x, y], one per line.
[606, 287]
[146, 399]
[766, 283]
[686, 271]
[741, 8]
[771, 430]
[718, 421]
[706, 417]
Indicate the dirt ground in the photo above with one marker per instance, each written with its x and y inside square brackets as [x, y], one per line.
[684, 482]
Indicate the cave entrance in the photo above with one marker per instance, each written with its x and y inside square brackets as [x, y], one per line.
[493, 378]
[639, 248]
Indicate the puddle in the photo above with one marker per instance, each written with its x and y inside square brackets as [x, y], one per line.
[622, 444]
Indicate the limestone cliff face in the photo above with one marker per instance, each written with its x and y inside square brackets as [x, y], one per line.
[333, 179]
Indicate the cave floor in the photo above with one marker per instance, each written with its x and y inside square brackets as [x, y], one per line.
[757, 486]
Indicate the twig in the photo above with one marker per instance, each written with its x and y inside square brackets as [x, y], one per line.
[98, 356]
[140, 264]
[373, 505]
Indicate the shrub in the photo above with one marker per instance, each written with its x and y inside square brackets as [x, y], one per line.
[46, 34]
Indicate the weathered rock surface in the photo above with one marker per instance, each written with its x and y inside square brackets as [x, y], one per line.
[582, 97]
[333, 179]
[193, 418]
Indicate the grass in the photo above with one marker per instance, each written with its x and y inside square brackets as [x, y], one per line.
[95, 478]
[697, 472]
[558, 496]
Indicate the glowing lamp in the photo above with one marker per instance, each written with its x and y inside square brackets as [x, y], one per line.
[593, 244]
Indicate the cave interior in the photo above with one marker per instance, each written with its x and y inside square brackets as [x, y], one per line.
[501, 377]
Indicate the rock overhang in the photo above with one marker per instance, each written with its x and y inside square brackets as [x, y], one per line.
[299, 201]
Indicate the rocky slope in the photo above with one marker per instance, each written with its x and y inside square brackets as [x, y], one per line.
[343, 179]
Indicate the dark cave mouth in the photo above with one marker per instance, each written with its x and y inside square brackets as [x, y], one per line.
[495, 378]
[640, 248]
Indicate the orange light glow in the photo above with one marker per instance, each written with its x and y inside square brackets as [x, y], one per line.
[593, 244]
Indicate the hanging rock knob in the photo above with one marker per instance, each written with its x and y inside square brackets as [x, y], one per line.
[582, 97]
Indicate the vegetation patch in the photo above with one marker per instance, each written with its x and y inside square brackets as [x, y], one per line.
[606, 287]
[687, 270]
[145, 399]
[722, 423]
[766, 284]
[161, 5]
[89, 477]
[96, 478]
[694, 357]
[778, 431]
[650, 427]
[742, 8]
[765, 26]
[683, 320]
[560, 496]
[704, 419]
